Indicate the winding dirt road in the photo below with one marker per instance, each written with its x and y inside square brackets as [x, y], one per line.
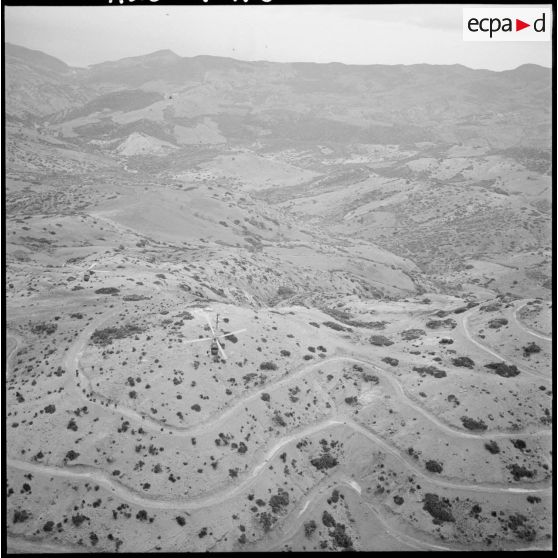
[128, 494]
[528, 329]
[524, 369]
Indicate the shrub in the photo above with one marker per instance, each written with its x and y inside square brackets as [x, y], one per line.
[267, 520]
[278, 419]
[340, 537]
[285, 353]
[446, 341]
[20, 516]
[180, 520]
[71, 455]
[439, 509]
[463, 361]
[43, 327]
[107, 290]
[351, 400]
[519, 472]
[50, 409]
[398, 500]
[195, 407]
[411, 334]
[492, 447]
[107, 335]
[141, 515]
[334, 326]
[472, 424]
[434, 466]
[530, 349]
[503, 369]
[430, 370]
[279, 501]
[265, 397]
[78, 519]
[325, 461]
[497, 323]
[327, 519]
[436, 324]
[310, 527]
[390, 361]
[380, 341]
[268, 366]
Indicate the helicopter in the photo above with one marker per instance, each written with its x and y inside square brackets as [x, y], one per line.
[216, 347]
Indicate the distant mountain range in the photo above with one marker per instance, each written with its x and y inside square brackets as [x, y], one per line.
[287, 102]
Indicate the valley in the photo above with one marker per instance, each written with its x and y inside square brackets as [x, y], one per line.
[382, 249]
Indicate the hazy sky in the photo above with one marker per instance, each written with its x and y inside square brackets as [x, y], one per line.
[353, 34]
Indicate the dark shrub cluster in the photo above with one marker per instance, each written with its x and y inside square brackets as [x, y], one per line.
[472, 424]
[434, 466]
[530, 349]
[503, 369]
[463, 361]
[438, 508]
[380, 341]
[497, 323]
[430, 370]
[107, 335]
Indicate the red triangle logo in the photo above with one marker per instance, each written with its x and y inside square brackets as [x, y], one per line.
[519, 25]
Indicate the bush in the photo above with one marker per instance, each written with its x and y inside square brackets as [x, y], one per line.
[434, 466]
[463, 361]
[20, 516]
[268, 366]
[310, 527]
[411, 334]
[351, 400]
[390, 361]
[43, 327]
[340, 537]
[107, 335]
[497, 323]
[439, 509]
[519, 472]
[334, 326]
[325, 461]
[265, 397]
[327, 519]
[446, 341]
[436, 324]
[503, 369]
[492, 447]
[279, 501]
[472, 424]
[107, 290]
[430, 370]
[50, 409]
[267, 520]
[530, 349]
[380, 341]
[71, 455]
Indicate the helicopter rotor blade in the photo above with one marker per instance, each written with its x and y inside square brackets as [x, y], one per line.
[231, 333]
[198, 340]
[221, 350]
[208, 322]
